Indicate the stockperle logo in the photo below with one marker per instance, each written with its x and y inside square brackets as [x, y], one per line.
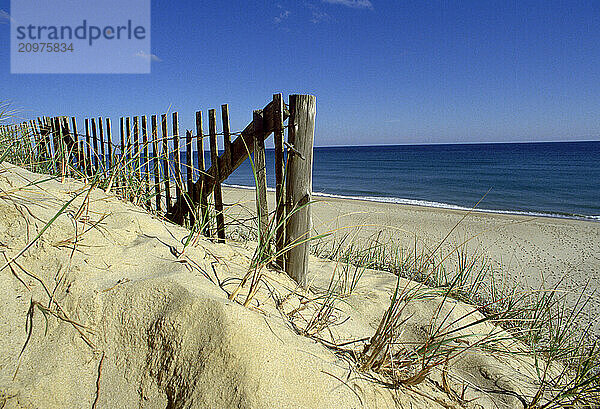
[79, 36]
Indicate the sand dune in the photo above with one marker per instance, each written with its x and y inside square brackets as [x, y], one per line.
[108, 308]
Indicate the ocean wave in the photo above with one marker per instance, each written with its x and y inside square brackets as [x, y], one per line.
[269, 189]
[441, 205]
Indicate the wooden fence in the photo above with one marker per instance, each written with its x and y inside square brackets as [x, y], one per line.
[144, 165]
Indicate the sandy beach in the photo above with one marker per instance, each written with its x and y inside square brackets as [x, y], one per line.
[534, 252]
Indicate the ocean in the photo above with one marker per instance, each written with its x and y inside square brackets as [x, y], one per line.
[559, 179]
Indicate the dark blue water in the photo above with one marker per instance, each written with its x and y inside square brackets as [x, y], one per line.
[561, 179]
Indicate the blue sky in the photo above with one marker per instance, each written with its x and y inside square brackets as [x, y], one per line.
[384, 72]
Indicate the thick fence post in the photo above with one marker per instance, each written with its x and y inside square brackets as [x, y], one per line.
[260, 168]
[299, 185]
[279, 193]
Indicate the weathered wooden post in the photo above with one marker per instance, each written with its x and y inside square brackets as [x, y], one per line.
[156, 162]
[33, 137]
[177, 160]
[279, 194]
[214, 159]
[200, 195]
[111, 158]
[226, 135]
[136, 152]
[260, 168]
[96, 151]
[299, 185]
[101, 153]
[88, 147]
[55, 152]
[122, 158]
[77, 143]
[67, 143]
[189, 160]
[59, 146]
[165, 161]
[43, 139]
[145, 161]
[128, 151]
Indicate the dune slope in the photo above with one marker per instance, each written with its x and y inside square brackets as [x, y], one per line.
[107, 308]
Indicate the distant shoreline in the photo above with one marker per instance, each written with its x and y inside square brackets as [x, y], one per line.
[438, 205]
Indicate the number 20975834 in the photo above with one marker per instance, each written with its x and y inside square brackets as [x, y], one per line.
[45, 47]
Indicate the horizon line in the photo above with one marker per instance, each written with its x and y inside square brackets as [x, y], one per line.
[453, 143]
[436, 143]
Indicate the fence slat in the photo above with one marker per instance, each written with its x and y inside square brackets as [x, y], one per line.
[48, 128]
[226, 135]
[122, 159]
[53, 138]
[43, 139]
[88, 146]
[136, 148]
[165, 156]
[38, 136]
[155, 162]
[128, 152]
[34, 138]
[67, 143]
[111, 158]
[188, 173]
[101, 156]
[200, 196]
[260, 168]
[145, 173]
[96, 158]
[59, 146]
[177, 161]
[299, 185]
[31, 141]
[214, 159]
[76, 139]
[279, 193]
[83, 165]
